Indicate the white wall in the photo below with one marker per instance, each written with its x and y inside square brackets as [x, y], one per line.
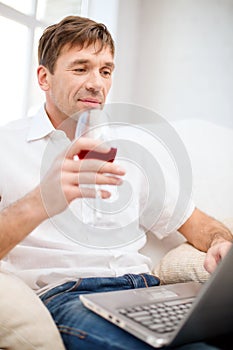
[122, 18]
[176, 57]
[127, 50]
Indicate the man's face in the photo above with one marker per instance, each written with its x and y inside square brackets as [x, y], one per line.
[82, 79]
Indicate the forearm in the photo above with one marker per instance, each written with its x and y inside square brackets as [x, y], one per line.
[203, 231]
[19, 219]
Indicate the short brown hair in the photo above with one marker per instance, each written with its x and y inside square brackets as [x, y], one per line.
[72, 30]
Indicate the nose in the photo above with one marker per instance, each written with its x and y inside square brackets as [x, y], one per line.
[94, 82]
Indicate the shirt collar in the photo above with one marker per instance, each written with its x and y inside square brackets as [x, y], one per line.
[40, 126]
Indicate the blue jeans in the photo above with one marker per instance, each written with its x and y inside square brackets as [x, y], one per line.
[83, 329]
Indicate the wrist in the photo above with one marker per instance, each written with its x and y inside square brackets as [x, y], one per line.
[34, 205]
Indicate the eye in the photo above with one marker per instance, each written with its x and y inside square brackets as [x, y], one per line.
[79, 70]
[106, 73]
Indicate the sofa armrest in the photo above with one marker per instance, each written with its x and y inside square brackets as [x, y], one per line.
[182, 264]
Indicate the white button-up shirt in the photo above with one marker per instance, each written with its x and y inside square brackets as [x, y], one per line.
[63, 247]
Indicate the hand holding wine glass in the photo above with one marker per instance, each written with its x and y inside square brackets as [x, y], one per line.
[94, 124]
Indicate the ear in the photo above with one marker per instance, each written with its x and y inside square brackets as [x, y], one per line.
[43, 77]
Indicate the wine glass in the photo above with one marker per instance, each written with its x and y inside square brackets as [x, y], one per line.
[95, 123]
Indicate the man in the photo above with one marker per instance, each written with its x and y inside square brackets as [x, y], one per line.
[76, 61]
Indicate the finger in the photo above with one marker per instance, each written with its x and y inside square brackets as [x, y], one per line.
[210, 263]
[89, 178]
[97, 179]
[100, 166]
[224, 249]
[93, 165]
[215, 254]
[87, 192]
[72, 191]
[85, 143]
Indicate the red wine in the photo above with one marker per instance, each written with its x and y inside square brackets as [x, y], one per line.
[107, 157]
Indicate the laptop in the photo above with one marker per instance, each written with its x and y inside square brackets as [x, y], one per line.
[172, 314]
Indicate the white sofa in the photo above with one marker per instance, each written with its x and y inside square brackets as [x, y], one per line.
[210, 147]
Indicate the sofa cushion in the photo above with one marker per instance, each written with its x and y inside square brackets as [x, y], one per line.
[25, 323]
[184, 263]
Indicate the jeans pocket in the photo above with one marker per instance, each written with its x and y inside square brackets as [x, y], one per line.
[61, 289]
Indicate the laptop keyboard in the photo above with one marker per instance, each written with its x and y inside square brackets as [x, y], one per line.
[162, 317]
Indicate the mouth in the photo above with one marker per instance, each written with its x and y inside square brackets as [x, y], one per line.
[91, 102]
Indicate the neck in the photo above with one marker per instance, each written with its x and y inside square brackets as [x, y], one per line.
[69, 127]
[63, 122]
